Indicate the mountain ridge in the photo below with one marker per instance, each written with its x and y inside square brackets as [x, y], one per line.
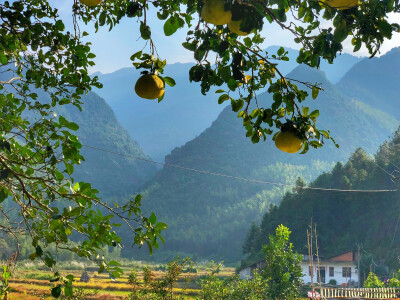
[205, 212]
[185, 112]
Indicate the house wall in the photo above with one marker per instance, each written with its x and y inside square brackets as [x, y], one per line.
[337, 275]
[245, 273]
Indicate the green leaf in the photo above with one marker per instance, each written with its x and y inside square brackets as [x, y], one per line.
[341, 32]
[314, 114]
[385, 28]
[59, 175]
[302, 9]
[135, 55]
[56, 291]
[49, 261]
[189, 46]
[62, 120]
[171, 26]
[325, 133]
[315, 92]
[73, 126]
[305, 111]
[161, 226]
[3, 194]
[223, 98]
[70, 277]
[153, 218]
[255, 113]
[170, 81]
[39, 251]
[68, 291]
[59, 25]
[199, 53]
[145, 31]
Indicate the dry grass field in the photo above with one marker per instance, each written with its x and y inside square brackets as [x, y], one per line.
[31, 281]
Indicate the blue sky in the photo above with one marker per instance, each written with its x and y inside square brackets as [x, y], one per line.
[114, 48]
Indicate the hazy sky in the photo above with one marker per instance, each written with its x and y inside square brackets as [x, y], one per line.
[114, 48]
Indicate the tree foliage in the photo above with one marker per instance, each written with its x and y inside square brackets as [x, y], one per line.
[282, 269]
[373, 281]
[340, 224]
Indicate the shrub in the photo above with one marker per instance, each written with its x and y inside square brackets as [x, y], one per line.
[373, 281]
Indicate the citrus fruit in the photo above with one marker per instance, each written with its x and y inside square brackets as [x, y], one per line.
[90, 2]
[288, 141]
[341, 4]
[234, 26]
[149, 86]
[214, 12]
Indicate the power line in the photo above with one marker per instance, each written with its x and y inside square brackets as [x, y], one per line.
[373, 160]
[394, 235]
[231, 176]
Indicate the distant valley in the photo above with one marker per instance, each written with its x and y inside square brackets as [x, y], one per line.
[207, 213]
[185, 112]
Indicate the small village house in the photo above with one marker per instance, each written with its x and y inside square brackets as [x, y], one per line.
[339, 269]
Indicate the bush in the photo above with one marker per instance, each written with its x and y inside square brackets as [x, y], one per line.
[373, 281]
[393, 283]
[332, 282]
[234, 288]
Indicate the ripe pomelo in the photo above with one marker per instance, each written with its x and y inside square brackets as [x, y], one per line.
[288, 141]
[214, 12]
[341, 4]
[149, 86]
[90, 2]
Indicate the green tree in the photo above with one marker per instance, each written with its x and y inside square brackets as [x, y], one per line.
[282, 266]
[373, 281]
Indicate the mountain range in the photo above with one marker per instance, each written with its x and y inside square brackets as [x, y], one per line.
[185, 112]
[209, 214]
[114, 176]
[376, 82]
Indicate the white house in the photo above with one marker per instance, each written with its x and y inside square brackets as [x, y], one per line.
[341, 268]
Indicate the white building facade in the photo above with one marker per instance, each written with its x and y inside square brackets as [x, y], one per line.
[338, 270]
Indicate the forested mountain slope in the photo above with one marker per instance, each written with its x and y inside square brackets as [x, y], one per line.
[112, 175]
[207, 215]
[376, 82]
[344, 219]
[185, 112]
[160, 127]
[334, 72]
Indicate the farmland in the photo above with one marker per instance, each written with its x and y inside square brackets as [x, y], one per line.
[32, 280]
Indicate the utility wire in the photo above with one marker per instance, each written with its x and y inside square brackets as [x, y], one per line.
[394, 235]
[373, 160]
[230, 176]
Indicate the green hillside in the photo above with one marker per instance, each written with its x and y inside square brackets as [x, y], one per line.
[207, 214]
[375, 81]
[343, 219]
[185, 112]
[112, 175]
[160, 127]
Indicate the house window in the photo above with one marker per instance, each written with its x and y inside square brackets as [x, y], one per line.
[331, 272]
[346, 272]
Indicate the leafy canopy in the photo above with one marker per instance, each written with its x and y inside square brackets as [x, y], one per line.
[282, 266]
[373, 281]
